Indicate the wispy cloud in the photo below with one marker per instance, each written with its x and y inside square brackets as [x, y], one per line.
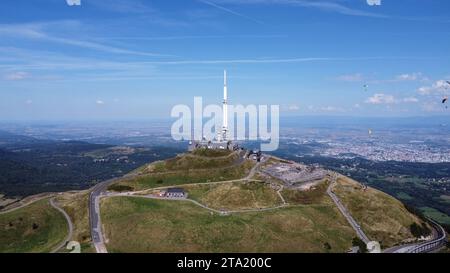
[230, 11]
[291, 108]
[121, 6]
[332, 109]
[36, 31]
[17, 76]
[437, 88]
[410, 100]
[25, 60]
[381, 98]
[192, 37]
[416, 76]
[330, 6]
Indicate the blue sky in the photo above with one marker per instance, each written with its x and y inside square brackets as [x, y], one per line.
[127, 59]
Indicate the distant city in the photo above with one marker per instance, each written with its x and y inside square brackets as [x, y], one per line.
[427, 141]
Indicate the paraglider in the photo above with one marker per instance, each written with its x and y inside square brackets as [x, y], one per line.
[444, 100]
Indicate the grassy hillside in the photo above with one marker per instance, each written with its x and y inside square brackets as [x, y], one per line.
[144, 225]
[76, 205]
[436, 215]
[211, 152]
[315, 195]
[188, 176]
[314, 221]
[201, 159]
[381, 216]
[235, 196]
[35, 228]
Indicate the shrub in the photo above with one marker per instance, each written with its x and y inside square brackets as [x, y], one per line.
[419, 230]
[359, 243]
[120, 188]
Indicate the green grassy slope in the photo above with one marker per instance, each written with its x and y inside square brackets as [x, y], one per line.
[35, 228]
[235, 196]
[381, 216]
[144, 225]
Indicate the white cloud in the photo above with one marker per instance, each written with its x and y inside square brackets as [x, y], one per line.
[381, 99]
[124, 6]
[100, 102]
[17, 76]
[73, 2]
[330, 6]
[230, 11]
[417, 76]
[38, 31]
[374, 2]
[318, 109]
[28, 102]
[439, 87]
[293, 108]
[331, 109]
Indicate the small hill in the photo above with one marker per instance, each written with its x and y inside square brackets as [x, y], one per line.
[188, 168]
[381, 216]
[137, 224]
[234, 196]
[37, 227]
[234, 205]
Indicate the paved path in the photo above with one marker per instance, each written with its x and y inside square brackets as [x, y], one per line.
[197, 203]
[70, 226]
[439, 237]
[344, 210]
[26, 204]
[281, 196]
[247, 178]
[400, 249]
[94, 211]
[94, 215]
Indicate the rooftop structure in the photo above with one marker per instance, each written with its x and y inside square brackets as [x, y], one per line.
[175, 193]
[295, 174]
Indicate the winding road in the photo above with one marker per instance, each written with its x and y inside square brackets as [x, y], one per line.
[70, 226]
[99, 190]
[94, 214]
[345, 212]
[439, 239]
[439, 234]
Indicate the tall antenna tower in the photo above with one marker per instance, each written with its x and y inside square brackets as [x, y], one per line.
[225, 107]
